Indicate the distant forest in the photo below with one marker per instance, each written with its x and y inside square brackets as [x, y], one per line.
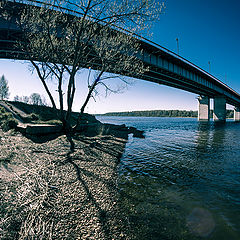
[162, 113]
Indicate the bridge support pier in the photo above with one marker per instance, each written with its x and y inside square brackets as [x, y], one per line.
[219, 109]
[203, 108]
[237, 114]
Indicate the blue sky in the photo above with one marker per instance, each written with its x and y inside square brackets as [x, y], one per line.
[208, 30]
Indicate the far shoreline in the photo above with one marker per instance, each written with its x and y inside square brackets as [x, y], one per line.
[163, 113]
[103, 115]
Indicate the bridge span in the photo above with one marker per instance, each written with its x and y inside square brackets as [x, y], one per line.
[165, 67]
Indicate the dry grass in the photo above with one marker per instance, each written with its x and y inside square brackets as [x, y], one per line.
[48, 192]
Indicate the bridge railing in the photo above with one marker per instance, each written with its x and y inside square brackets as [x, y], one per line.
[183, 59]
[137, 36]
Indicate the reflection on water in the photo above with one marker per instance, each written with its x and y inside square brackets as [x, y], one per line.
[181, 181]
[200, 222]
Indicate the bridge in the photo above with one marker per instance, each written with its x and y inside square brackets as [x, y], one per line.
[165, 67]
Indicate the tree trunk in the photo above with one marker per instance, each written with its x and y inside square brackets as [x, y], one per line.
[87, 100]
[44, 84]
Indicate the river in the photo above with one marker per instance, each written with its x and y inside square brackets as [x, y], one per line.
[183, 180]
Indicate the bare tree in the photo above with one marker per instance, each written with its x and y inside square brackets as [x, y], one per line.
[66, 36]
[36, 99]
[4, 89]
[17, 98]
[24, 99]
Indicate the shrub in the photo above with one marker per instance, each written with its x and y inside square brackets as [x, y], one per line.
[2, 110]
[9, 124]
[31, 117]
[34, 117]
[7, 121]
[5, 116]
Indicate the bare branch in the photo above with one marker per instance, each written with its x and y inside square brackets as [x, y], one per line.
[66, 36]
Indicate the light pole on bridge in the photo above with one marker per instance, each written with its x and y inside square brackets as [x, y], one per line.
[177, 46]
[209, 66]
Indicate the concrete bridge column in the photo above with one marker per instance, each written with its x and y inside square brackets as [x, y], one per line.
[219, 109]
[203, 108]
[237, 114]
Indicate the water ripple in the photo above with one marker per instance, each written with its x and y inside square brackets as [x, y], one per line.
[181, 170]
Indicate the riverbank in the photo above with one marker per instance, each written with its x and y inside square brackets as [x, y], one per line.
[48, 192]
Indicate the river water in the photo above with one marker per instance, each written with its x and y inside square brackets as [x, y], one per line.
[183, 180]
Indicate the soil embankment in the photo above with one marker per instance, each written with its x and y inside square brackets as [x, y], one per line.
[34, 120]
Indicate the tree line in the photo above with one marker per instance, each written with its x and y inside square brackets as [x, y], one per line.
[163, 113]
[34, 98]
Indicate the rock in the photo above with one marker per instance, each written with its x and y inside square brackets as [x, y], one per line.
[136, 133]
[42, 129]
[87, 118]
